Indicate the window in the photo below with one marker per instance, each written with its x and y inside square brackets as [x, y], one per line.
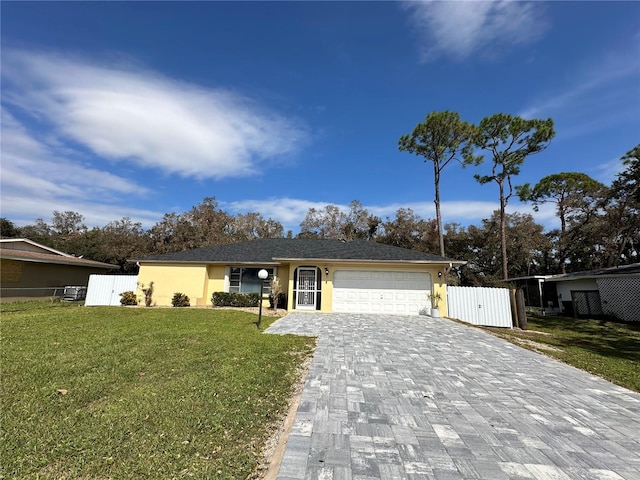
[245, 280]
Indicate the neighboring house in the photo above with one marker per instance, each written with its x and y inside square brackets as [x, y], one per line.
[603, 292]
[538, 295]
[316, 274]
[613, 291]
[28, 269]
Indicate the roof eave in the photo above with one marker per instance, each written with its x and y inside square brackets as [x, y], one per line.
[355, 260]
[207, 262]
[62, 261]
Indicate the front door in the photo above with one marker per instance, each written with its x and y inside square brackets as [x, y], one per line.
[306, 287]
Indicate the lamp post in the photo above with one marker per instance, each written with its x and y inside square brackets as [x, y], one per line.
[262, 275]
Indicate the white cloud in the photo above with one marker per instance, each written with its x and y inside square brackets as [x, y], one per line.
[464, 28]
[288, 211]
[291, 211]
[133, 115]
[601, 85]
[607, 172]
[36, 176]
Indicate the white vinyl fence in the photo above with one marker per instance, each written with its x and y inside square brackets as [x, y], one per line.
[488, 307]
[105, 290]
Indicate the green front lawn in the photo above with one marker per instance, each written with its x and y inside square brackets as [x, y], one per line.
[117, 392]
[610, 350]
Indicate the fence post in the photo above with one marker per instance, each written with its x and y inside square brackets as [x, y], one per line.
[514, 307]
[522, 313]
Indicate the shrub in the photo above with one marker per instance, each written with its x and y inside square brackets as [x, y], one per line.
[282, 300]
[180, 300]
[148, 293]
[228, 299]
[128, 298]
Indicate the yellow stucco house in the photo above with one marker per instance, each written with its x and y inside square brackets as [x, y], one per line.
[316, 274]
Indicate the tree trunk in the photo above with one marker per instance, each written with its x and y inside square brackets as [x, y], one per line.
[503, 231]
[563, 248]
[436, 175]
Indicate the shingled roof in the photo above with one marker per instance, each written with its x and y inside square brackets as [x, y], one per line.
[26, 250]
[631, 269]
[276, 250]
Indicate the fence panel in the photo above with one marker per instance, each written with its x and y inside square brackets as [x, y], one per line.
[621, 297]
[489, 307]
[105, 290]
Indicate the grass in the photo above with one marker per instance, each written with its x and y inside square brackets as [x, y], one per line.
[150, 393]
[608, 349]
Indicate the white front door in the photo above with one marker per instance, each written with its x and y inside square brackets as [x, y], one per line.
[306, 289]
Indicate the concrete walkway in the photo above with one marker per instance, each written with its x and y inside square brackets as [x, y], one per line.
[391, 397]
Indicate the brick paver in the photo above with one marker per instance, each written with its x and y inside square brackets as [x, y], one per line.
[398, 397]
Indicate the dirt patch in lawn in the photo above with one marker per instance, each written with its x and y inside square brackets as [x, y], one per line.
[526, 339]
[531, 344]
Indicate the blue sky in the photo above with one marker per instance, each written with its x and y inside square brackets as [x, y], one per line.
[116, 109]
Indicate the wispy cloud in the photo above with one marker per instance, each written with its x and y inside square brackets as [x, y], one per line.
[601, 95]
[291, 211]
[36, 172]
[135, 115]
[460, 29]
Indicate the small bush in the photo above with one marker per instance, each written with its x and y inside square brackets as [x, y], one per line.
[128, 298]
[180, 300]
[282, 300]
[228, 299]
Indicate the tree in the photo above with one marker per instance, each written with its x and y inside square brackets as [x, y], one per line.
[509, 140]
[573, 193]
[39, 232]
[253, 225]
[622, 212]
[409, 230]
[324, 223]
[203, 225]
[8, 229]
[359, 224]
[210, 224]
[439, 139]
[480, 247]
[120, 241]
[333, 222]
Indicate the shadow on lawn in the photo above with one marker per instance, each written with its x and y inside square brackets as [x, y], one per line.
[606, 338]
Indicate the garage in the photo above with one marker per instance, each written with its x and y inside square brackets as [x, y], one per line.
[370, 291]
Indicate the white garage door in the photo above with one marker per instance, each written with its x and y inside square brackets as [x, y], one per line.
[362, 291]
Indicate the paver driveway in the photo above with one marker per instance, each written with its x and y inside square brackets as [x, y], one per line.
[422, 398]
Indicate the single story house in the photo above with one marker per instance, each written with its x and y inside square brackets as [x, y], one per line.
[538, 294]
[323, 275]
[28, 269]
[613, 291]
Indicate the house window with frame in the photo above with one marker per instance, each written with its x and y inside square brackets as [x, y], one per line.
[245, 280]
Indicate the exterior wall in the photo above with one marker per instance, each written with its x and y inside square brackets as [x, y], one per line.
[200, 281]
[216, 282]
[327, 281]
[18, 274]
[564, 288]
[192, 280]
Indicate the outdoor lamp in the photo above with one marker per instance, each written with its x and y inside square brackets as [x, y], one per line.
[326, 271]
[262, 275]
[439, 274]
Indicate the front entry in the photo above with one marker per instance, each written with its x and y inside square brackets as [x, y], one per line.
[306, 297]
